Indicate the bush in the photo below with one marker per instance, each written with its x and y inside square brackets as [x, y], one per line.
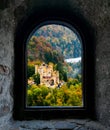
[65, 96]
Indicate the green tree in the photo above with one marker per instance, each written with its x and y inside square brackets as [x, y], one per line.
[36, 78]
[62, 72]
[72, 81]
[30, 70]
[41, 95]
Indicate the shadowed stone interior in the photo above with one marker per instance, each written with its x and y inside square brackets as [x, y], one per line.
[97, 13]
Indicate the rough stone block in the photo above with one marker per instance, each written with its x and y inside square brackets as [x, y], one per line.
[4, 70]
[1, 82]
[0, 89]
[65, 126]
[4, 109]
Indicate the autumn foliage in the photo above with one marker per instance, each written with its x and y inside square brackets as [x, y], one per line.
[70, 94]
[52, 44]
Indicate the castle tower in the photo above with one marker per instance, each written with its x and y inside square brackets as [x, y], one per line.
[36, 69]
[48, 76]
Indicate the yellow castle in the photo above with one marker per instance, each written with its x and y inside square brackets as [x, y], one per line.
[48, 76]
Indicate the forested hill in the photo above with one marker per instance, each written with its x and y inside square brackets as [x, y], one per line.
[55, 43]
[39, 49]
[62, 39]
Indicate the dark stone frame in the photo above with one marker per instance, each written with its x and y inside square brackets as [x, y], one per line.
[86, 32]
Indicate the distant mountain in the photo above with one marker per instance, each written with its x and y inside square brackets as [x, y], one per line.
[56, 44]
[39, 49]
[76, 69]
[62, 39]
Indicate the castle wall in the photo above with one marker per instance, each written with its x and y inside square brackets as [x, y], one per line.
[47, 74]
[97, 15]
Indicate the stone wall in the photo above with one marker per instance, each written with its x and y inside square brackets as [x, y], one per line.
[97, 13]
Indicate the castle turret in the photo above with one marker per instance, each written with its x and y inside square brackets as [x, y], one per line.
[36, 69]
[48, 76]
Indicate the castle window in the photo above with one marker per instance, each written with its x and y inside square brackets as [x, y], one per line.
[55, 77]
[62, 52]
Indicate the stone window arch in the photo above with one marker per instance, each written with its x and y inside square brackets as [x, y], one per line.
[21, 111]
